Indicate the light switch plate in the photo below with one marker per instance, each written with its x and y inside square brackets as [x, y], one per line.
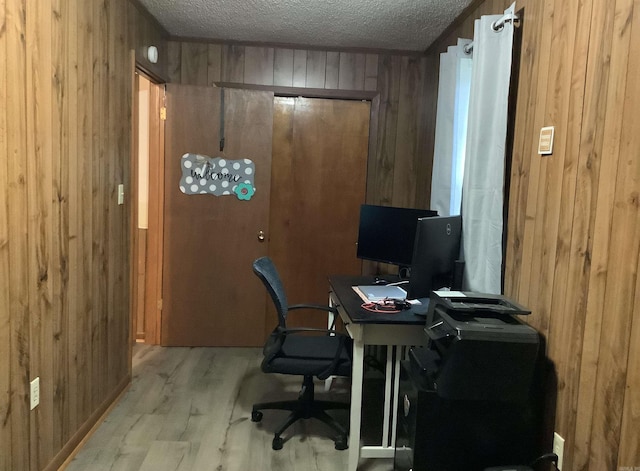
[35, 393]
[120, 193]
[545, 143]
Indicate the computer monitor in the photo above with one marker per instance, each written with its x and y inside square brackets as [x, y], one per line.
[436, 250]
[387, 234]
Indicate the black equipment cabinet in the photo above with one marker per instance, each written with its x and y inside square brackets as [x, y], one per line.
[461, 409]
[412, 429]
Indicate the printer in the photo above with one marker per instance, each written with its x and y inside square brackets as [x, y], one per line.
[472, 394]
[477, 349]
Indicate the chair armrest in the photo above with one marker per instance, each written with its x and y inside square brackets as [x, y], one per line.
[298, 330]
[318, 307]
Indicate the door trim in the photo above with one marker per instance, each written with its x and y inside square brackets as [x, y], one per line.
[147, 289]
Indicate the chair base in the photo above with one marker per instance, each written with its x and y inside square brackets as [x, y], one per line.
[305, 407]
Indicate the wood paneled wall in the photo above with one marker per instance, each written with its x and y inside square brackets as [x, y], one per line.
[399, 149]
[65, 134]
[574, 217]
[573, 229]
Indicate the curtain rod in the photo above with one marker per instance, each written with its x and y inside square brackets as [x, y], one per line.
[496, 26]
[499, 24]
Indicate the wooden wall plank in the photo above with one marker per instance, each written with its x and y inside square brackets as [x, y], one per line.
[195, 63]
[371, 72]
[258, 65]
[99, 212]
[299, 67]
[316, 69]
[118, 147]
[527, 293]
[352, 71]
[283, 67]
[40, 227]
[547, 190]
[74, 202]
[404, 172]
[629, 450]
[232, 64]
[214, 64]
[381, 179]
[629, 447]
[60, 122]
[18, 275]
[522, 162]
[84, 176]
[174, 61]
[5, 313]
[427, 107]
[332, 74]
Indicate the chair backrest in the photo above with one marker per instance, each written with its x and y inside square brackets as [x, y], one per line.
[264, 268]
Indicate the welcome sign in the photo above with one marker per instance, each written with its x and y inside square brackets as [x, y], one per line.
[217, 176]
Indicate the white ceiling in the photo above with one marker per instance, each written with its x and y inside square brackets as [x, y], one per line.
[410, 25]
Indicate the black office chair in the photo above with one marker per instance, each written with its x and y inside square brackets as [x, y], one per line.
[318, 352]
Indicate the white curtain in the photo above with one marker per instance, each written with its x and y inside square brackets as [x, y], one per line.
[451, 129]
[483, 185]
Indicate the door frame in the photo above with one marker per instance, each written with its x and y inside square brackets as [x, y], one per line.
[146, 288]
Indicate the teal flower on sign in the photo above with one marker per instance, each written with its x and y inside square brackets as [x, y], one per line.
[244, 191]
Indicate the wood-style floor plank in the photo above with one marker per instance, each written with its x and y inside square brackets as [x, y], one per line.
[188, 409]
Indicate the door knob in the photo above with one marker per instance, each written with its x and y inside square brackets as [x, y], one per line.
[261, 236]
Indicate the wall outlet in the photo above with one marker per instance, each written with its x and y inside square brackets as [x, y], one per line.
[35, 393]
[558, 448]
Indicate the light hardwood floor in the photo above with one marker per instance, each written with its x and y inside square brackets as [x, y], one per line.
[188, 409]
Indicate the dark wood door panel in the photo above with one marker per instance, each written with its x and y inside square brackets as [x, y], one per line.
[210, 295]
[318, 184]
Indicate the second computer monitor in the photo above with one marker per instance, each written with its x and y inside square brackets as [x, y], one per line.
[387, 234]
[435, 252]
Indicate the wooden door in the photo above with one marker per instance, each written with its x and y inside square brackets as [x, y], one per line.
[318, 184]
[210, 295]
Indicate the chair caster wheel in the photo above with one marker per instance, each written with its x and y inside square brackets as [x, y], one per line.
[256, 416]
[341, 443]
[277, 443]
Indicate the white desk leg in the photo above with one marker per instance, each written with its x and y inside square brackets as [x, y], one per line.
[357, 375]
[388, 395]
[331, 319]
[396, 394]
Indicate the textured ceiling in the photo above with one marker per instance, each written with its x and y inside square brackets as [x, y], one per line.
[377, 24]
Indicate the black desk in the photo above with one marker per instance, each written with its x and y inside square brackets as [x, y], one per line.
[342, 286]
[392, 331]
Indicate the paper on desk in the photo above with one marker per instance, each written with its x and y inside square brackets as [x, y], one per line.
[373, 293]
[451, 294]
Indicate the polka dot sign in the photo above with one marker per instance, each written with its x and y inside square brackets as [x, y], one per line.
[217, 176]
